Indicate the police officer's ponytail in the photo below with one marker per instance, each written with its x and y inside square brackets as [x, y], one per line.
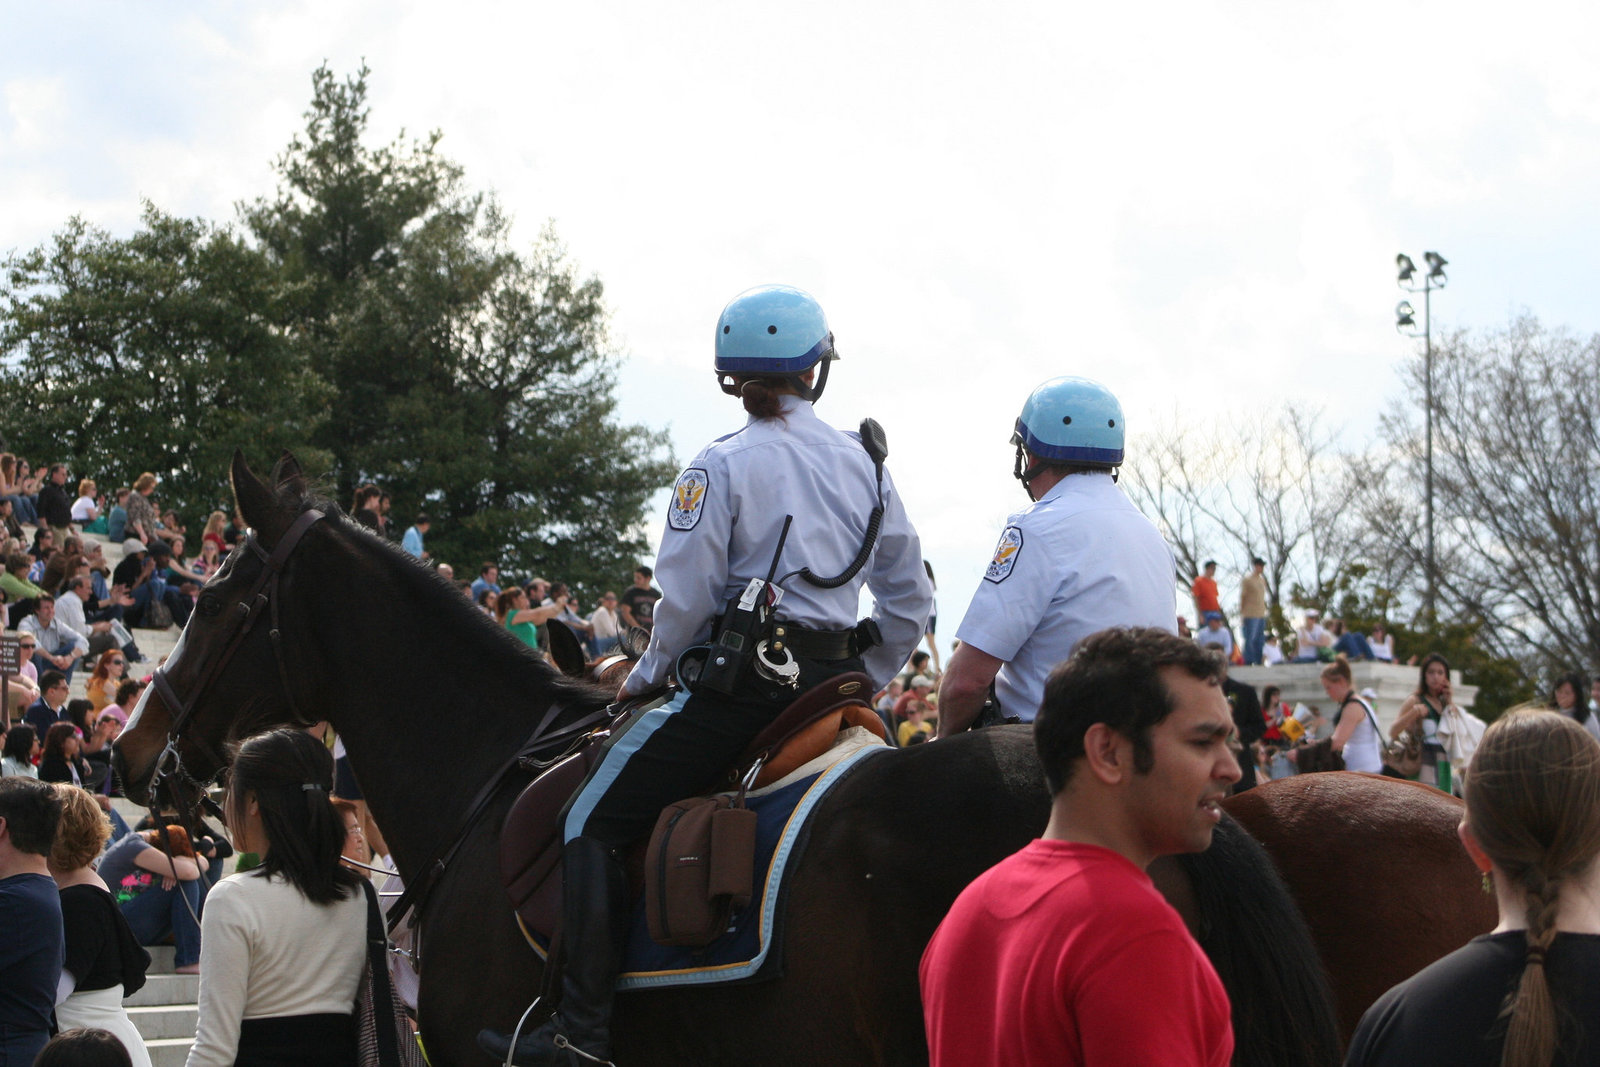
[761, 397]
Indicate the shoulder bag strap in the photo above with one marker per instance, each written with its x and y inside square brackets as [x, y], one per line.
[382, 993]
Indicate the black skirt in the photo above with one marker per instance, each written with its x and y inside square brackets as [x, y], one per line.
[298, 1041]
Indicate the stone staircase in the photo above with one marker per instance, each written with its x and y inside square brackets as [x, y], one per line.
[164, 1010]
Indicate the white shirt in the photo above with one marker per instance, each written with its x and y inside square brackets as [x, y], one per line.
[69, 609]
[267, 951]
[1220, 639]
[1078, 561]
[1362, 751]
[723, 524]
[81, 508]
[1308, 639]
[1271, 654]
[55, 636]
[604, 621]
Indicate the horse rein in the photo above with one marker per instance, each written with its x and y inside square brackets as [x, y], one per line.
[262, 595]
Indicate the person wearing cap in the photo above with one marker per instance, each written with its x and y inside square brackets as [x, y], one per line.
[139, 574]
[1311, 638]
[1080, 559]
[916, 692]
[1214, 636]
[785, 499]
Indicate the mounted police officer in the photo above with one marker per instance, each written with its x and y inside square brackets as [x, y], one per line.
[786, 495]
[1082, 558]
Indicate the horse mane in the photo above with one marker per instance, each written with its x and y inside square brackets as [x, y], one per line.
[1262, 949]
[453, 612]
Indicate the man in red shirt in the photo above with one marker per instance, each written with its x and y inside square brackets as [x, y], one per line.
[1205, 590]
[1065, 953]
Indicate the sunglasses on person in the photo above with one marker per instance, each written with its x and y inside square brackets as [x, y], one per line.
[26, 647]
[119, 663]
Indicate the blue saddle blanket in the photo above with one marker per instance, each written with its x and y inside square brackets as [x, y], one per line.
[750, 950]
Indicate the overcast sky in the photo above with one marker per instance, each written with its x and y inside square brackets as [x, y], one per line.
[1197, 203]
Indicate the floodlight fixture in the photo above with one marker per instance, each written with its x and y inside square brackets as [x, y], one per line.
[1405, 320]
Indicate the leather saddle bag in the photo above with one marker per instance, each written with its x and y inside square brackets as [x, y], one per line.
[700, 868]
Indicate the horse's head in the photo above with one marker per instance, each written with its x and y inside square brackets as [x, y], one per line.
[606, 672]
[227, 677]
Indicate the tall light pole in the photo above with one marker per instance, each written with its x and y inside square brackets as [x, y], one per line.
[1406, 322]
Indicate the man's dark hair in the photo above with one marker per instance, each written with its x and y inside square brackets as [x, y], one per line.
[1113, 677]
[50, 679]
[422, 519]
[644, 570]
[1257, 561]
[1208, 563]
[129, 688]
[32, 812]
[84, 1047]
[44, 598]
[488, 565]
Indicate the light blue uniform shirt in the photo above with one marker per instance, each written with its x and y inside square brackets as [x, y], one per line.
[1081, 559]
[723, 524]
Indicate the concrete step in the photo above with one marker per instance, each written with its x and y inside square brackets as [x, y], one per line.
[169, 1051]
[161, 990]
[155, 1022]
[162, 959]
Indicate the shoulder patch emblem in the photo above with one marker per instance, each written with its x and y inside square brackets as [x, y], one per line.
[688, 499]
[1005, 555]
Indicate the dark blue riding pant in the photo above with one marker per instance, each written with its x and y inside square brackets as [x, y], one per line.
[678, 751]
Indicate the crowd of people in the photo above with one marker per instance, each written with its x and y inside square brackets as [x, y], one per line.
[1140, 732]
[282, 943]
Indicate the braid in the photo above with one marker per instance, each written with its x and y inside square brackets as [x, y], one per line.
[1532, 1035]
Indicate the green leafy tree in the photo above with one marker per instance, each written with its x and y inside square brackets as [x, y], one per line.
[470, 379]
[160, 351]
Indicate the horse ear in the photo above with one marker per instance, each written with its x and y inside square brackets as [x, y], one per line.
[287, 472]
[256, 502]
[634, 642]
[565, 649]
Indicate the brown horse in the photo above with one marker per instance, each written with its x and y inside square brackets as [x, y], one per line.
[316, 619]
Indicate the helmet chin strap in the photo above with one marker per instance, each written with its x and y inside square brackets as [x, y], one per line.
[812, 393]
[731, 384]
[1026, 475]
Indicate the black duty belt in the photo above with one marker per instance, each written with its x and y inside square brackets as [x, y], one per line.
[820, 644]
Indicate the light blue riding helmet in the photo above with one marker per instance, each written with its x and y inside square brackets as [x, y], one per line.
[1070, 420]
[774, 330]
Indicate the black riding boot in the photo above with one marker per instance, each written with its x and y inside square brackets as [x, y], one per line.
[595, 917]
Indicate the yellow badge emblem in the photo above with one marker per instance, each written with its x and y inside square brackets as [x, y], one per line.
[1005, 555]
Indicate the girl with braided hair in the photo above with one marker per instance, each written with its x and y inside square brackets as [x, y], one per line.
[1526, 994]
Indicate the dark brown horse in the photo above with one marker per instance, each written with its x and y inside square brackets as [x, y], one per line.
[319, 620]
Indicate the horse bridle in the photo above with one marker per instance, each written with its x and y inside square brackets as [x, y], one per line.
[261, 600]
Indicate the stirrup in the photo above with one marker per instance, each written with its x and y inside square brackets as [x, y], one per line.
[560, 1041]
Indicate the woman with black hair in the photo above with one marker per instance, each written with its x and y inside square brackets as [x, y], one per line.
[283, 945]
[63, 757]
[1568, 699]
[22, 744]
[1419, 716]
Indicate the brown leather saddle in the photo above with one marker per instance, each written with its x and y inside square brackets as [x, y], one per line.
[530, 838]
